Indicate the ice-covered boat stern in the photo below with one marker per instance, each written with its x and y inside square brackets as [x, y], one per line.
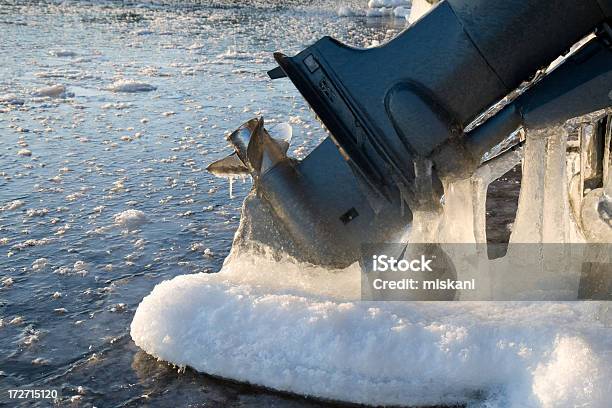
[407, 116]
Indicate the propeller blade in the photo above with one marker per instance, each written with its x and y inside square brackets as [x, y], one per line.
[264, 151]
[241, 138]
[229, 166]
[282, 133]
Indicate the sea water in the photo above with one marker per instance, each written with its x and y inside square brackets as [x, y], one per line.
[109, 114]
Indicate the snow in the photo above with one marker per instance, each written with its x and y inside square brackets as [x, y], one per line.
[301, 329]
[131, 86]
[130, 219]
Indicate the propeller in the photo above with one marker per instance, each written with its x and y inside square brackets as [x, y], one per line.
[255, 150]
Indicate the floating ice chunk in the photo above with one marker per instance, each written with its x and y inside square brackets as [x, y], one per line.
[11, 99]
[80, 266]
[131, 86]
[12, 205]
[39, 264]
[24, 152]
[387, 3]
[401, 12]
[153, 72]
[54, 91]
[31, 243]
[73, 74]
[197, 246]
[375, 12]
[40, 361]
[63, 53]
[196, 46]
[118, 308]
[37, 212]
[348, 11]
[118, 105]
[130, 219]
[384, 8]
[143, 32]
[17, 320]
[7, 282]
[29, 336]
[232, 53]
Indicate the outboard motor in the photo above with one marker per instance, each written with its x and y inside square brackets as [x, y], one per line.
[411, 123]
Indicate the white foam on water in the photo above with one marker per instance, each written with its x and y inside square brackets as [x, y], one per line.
[299, 328]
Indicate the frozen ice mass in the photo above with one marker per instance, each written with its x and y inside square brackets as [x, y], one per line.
[301, 329]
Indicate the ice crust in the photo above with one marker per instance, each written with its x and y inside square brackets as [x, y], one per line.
[298, 328]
